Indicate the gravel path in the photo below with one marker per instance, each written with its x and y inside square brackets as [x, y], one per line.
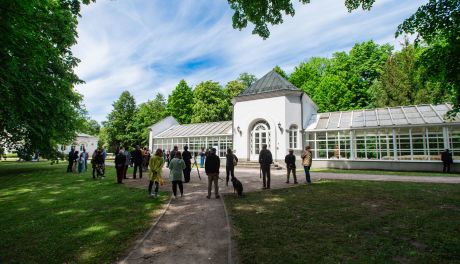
[195, 229]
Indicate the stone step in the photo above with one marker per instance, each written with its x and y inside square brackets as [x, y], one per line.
[253, 164]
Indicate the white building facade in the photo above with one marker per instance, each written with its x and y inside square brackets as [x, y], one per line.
[276, 113]
[82, 141]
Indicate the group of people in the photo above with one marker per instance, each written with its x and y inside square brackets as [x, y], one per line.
[138, 158]
[180, 166]
[78, 162]
[266, 159]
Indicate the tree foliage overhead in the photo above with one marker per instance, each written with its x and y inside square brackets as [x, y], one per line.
[262, 13]
[38, 106]
[180, 103]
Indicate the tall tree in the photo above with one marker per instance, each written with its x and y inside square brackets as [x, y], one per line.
[210, 103]
[39, 107]
[332, 94]
[119, 126]
[180, 103]
[247, 79]
[437, 24]
[363, 66]
[148, 114]
[308, 74]
[356, 70]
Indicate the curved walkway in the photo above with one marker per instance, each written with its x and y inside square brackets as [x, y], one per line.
[195, 229]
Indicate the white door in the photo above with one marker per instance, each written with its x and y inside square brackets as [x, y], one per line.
[260, 135]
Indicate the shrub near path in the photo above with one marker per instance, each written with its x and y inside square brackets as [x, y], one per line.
[349, 222]
[49, 216]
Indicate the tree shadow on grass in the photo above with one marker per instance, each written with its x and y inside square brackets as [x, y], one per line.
[53, 217]
[348, 221]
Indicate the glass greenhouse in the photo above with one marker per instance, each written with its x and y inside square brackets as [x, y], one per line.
[395, 133]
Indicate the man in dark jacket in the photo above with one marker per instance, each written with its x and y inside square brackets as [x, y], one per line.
[70, 159]
[290, 165]
[120, 161]
[265, 160]
[187, 157]
[172, 155]
[446, 158]
[137, 159]
[211, 167]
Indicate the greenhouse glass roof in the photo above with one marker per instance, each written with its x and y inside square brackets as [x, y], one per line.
[200, 129]
[406, 116]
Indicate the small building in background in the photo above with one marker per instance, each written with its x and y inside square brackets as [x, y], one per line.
[82, 141]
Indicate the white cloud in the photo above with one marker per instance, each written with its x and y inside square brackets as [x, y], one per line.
[144, 46]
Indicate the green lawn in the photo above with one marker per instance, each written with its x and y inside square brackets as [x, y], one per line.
[49, 216]
[349, 222]
[383, 172]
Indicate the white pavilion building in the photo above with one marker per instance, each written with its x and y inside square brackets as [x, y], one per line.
[273, 111]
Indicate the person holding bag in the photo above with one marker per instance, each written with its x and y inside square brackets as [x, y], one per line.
[156, 164]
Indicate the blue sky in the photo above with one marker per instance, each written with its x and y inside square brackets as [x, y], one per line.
[148, 46]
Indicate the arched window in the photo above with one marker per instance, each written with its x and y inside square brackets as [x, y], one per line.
[293, 132]
[260, 135]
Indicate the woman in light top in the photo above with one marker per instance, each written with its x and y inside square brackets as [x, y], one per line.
[176, 176]
[156, 164]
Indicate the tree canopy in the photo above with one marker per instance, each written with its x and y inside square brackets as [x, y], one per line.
[147, 114]
[119, 126]
[180, 103]
[437, 24]
[39, 107]
[210, 103]
[262, 13]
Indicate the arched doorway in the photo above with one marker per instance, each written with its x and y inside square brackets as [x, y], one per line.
[260, 135]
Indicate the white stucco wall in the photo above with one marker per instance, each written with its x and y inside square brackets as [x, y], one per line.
[286, 110]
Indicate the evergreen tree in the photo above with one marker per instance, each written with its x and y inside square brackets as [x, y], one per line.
[180, 103]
